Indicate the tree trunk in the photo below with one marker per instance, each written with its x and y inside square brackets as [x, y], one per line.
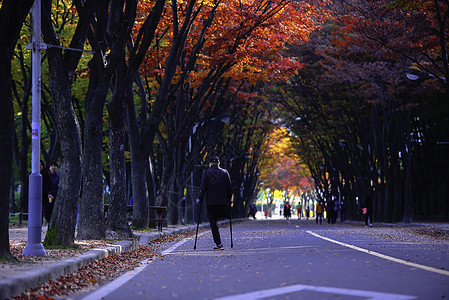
[407, 156]
[12, 16]
[91, 221]
[139, 166]
[6, 146]
[165, 197]
[140, 191]
[117, 214]
[22, 155]
[61, 230]
[114, 22]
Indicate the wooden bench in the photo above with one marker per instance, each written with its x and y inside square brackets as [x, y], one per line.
[129, 209]
[161, 214]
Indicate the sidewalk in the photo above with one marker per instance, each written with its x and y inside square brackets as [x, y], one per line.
[17, 277]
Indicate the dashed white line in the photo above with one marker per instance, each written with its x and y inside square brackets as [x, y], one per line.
[387, 257]
[109, 288]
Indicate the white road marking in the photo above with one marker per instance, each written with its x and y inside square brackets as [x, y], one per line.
[240, 251]
[109, 288]
[319, 289]
[387, 257]
[112, 286]
[173, 248]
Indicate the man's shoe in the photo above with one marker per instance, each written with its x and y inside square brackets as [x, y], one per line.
[218, 247]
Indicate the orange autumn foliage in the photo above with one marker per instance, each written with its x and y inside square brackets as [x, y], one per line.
[415, 31]
[282, 169]
[246, 40]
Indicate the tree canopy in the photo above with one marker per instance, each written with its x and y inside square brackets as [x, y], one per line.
[306, 96]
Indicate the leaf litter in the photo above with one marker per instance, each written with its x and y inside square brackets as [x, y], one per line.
[93, 274]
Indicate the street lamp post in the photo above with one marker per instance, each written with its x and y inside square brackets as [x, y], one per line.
[34, 245]
[414, 73]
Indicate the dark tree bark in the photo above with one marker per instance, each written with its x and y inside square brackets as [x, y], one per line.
[91, 221]
[166, 197]
[117, 215]
[139, 146]
[12, 16]
[21, 155]
[61, 230]
[112, 29]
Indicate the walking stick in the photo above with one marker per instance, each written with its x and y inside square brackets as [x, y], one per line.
[230, 223]
[198, 224]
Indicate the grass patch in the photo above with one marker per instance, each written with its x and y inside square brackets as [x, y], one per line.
[142, 228]
[60, 247]
[14, 220]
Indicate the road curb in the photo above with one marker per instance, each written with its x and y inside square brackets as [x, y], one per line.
[14, 285]
[145, 239]
[17, 284]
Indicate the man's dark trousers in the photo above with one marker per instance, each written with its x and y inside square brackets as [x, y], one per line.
[216, 212]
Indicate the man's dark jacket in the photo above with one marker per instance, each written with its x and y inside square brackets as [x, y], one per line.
[216, 185]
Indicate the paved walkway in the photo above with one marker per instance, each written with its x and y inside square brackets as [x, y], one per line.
[18, 277]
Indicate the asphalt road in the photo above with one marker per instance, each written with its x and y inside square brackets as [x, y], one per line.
[280, 259]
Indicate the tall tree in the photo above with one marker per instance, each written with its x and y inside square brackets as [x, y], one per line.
[61, 230]
[123, 101]
[113, 24]
[244, 47]
[12, 16]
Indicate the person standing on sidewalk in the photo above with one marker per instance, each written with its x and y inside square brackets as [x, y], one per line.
[216, 187]
[52, 189]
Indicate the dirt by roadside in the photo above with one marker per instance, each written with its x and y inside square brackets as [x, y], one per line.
[90, 275]
[18, 236]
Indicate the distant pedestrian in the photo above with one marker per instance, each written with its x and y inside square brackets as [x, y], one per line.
[252, 211]
[52, 189]
[336, 209]
[319, 209]
[299, 210]
[216, 187]
[265, 212]
[330, 210]
[287, 211]
[343, 212]
[368, 210]
[307, 212]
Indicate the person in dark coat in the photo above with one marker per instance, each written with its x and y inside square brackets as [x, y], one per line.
[216, 187]
[52, 189]
[287, 211]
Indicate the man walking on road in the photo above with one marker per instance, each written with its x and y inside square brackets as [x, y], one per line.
[216, 186]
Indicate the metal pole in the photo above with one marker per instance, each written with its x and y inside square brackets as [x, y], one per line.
[230, 224]
[34, 245]
[198, 225]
